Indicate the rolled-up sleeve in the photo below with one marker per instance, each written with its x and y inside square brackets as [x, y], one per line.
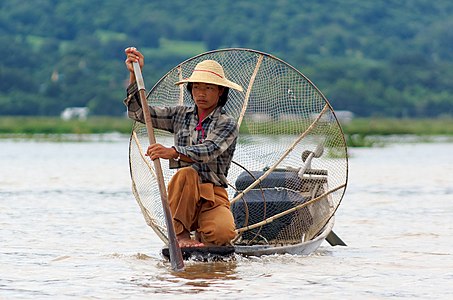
[132, 102]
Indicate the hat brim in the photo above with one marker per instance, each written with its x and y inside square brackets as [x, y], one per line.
[222, 82]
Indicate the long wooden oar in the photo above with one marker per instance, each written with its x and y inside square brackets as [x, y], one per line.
[176, 259]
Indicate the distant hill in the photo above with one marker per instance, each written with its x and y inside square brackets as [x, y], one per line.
[374, 58]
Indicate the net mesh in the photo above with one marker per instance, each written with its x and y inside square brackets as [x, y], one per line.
[290, 167]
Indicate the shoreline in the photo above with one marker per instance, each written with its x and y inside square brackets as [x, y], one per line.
[354, 141]
[359, 132]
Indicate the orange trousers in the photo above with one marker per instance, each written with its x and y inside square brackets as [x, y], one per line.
[200, 207]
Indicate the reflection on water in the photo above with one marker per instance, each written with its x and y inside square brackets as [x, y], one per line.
[195, 278]
[208, 271]
[70, 228]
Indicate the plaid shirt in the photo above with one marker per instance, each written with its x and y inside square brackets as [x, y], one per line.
[212, 154]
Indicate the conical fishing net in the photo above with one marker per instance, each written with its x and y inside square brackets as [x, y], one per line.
[290, 168]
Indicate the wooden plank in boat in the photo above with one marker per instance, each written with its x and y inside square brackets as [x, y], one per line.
[206, 253]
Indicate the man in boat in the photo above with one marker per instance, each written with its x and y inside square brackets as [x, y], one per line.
[205, 140]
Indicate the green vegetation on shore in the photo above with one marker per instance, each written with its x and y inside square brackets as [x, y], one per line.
[381, 126]
[362, 55]
[357, 131]
[55, 125]
[362, 132]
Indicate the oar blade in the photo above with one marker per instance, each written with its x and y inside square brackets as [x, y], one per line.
[334, 240]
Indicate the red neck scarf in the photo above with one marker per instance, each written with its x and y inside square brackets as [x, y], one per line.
[200, 127]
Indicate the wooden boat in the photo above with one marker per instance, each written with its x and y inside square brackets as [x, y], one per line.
[226, 252]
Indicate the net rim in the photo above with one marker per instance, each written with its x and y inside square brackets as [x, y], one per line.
[270, 56]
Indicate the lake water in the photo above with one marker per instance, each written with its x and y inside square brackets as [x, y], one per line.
[70, 228]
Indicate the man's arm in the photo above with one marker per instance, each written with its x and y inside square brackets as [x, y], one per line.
[132, 102]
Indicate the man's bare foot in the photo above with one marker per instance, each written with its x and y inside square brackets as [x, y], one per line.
[185, 240]
[183, 243]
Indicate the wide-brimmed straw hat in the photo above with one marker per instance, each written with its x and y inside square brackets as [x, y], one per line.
[210, 71]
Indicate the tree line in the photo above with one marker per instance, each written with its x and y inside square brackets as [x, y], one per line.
[374, 58]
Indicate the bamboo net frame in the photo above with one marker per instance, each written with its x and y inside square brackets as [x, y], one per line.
[281, 114]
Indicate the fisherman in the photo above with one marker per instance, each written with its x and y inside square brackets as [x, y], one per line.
[205, 140]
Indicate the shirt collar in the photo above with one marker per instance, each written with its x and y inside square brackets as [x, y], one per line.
[215, 113]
